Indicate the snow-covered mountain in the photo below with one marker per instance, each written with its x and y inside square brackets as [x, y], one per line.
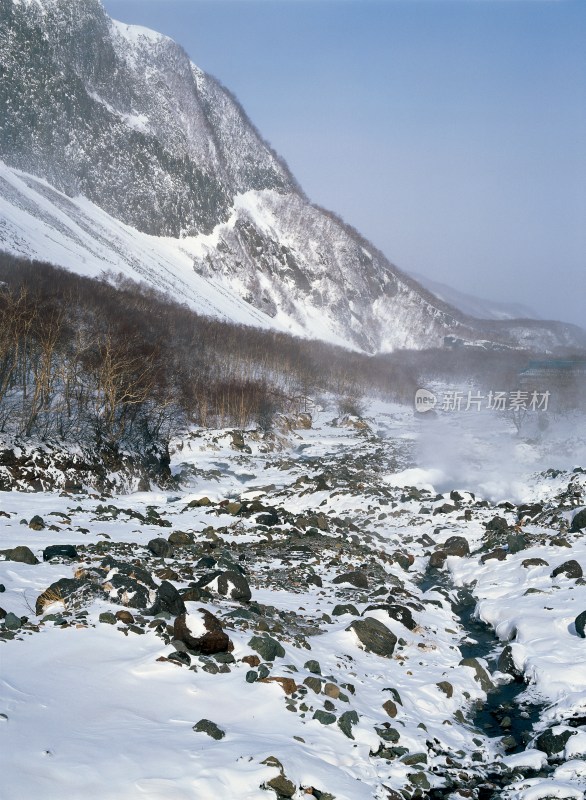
[475, 306]
[121, 154]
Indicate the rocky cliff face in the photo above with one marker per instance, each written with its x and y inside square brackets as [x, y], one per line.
[118, 115]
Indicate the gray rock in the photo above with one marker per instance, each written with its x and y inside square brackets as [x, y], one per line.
[482, 676]
[324, 717]
[209, 727]
[20, 554]
[267, 647]
[571, 569]
[181, 538]
[355, 578]
[168, 599]
[506, 663]
[456, 546]
[160, 548]
[579, 521]
[580, 623]
[346, 721]
[552, 743]
[374, 636]
[313, 666]
[12, 622]
[344, 608]
[234, 585]
[60, 551]
[397, 612]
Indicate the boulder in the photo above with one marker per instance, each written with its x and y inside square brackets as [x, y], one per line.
[168, 599]
[267, 647]
[456, 546]
[210, 728]
[160, 547]
[553, 743]
[374, 636]
[20, 554]
[578, 521]
[354, 578]
[202, 632]
[580, 623]
[60, 551]
[571, 569]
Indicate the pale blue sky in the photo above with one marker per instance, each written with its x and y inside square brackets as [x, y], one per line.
[452, 133]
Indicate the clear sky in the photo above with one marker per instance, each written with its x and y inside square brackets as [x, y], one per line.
[452, 133]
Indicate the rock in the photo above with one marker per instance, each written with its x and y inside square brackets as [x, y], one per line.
[251, 676]
[506, 663]
[312, 666]
[180, 657]
[580, 623]
[127, 591]
[397, 612]
[267, 647]
[209, 727]
[180, 538]
[234, 585]
[37, 523]
[571, 569]
[344, 608]
[232, 508]
[269, 520]
[437, 558]
[578, 521]
[482, 676]
[125, 617]
[160, 547]
[191, 594]
[534, 562]
[253, 661]
[374, 636]
[20, 554]
[355, 578]
[456, 546]
[282, 786]
[107, 617]
[499, 553]
[446, 687]
[552, 743]
[498, 525]
[288, 685]
[313, 683]
[60, 551]
[72, 592]
[516, 542]
[390, 708]
[12, 622]
[168, 599]
[2, 588]
[202, 632]
[324, 717]
[445, 508]
[346, 721]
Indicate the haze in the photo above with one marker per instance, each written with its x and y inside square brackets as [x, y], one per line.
[449, 132]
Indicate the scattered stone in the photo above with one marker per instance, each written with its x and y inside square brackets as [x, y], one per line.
[482, 676]
[253, 661]
[20, 554]
[456, 546]
[552, 743]
[499, 553]
[446, 687]
[571, 569]
[325, 717]
[391, 708]
[180, 538]
[267, 647]
[209, 727]
[438, 558]
[12, 622]
[374, 636]
[579, 521]
[234, 585]
[356, 578]
[168, 599]
[282, 786]
[107, 617]
[37, 523]
[251, 676]
[69, 591]
[397, 612]
[160, 547]
[506, 663]
[288, 685]
[313, 683]
[346, 721]
[312, 666]
[204, 633]
[125, 617]
[60, 551]
[580, 623]
[345, 608]
[534, 562]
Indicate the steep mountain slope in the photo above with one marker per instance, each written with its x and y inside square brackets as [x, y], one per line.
[132, 141]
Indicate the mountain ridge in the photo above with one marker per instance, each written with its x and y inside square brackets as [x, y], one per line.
[120, 116]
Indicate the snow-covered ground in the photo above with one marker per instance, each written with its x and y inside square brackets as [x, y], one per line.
[350, 672]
